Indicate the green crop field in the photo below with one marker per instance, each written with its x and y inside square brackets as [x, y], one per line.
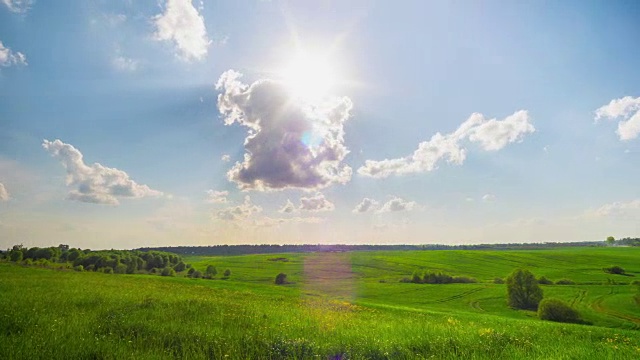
[335, 306]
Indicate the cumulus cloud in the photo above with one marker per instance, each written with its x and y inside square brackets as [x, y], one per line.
[217, 197]
[488, 197]
[287, 208]
[239, 212]
[18, 6]
[397, 204]
[491, 135]
[619, 208]
[365, 205]
[9, 57]
[316, 202]
[4, 194]
[95, 183]
[290, 143]
[226, 158]
[182, 24]
[628, 110]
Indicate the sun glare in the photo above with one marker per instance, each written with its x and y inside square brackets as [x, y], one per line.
[309, 76]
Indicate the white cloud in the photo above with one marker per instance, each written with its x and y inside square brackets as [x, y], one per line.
[490, 134]
[627, 109]
[290, 143]
[239, 212]
[488, 197]
[226, 158]
[397, 204]
[316, 202]
[18, 6]
[619, 208]
[287, 208]
[217, 197]
[9, 57]
[182, 23]
[122, 63]
[365, 205]
[96, 183]
[4, 194]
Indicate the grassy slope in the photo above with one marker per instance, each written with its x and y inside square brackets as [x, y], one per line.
[53, 314]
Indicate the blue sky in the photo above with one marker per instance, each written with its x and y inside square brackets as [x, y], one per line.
[188, 123]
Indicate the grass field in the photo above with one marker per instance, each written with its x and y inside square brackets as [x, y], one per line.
[336, 306]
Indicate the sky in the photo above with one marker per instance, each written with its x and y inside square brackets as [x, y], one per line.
[156, 123]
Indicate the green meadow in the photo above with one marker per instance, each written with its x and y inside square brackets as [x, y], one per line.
[349, 305]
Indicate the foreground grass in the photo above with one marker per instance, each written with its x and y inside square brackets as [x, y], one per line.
[68, 315]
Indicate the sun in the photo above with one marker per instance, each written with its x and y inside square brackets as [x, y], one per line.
[309, 76]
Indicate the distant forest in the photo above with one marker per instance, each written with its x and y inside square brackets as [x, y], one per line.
[272, 249]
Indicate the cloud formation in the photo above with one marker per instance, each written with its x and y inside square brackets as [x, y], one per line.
[239, 212]
[488, 197]
[365, 205]
[18, 6]
[4, 194]
[287, 208]
[217, 197]
[182, 24]
[122, 63]
[628, 110]
[225, 158]
[266, 221]
[397, 204]
[290, 143]
[491, 135]
[316, 202]
[619, 208]
[95, 183]
[9, 57]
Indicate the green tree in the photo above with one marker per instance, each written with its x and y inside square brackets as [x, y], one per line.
[180, 267]
[15, 256]
[168, 272]
[611, 240]
[523, 291]
[211, 271]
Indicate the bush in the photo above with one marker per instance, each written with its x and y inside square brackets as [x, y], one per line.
[635, 283]
[614, 270]
[121, 269]
[78, 268]
[227, 273]
[196, 274]
[498, 281]
[107, 270]
[191, 270]
[523, 291]
[180, 267]
[281, 279]
[565, 282]
[168, 272]
[405, 280]
[415, 278]
[557, 310]
[211, 271]
[544, 281]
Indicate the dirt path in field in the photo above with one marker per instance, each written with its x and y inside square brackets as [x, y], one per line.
[329, 274]
[597, 306]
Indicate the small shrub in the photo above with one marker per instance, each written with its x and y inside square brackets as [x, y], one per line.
[154, 271]
[121, 269]
[190, 271]
[211, 271]
[617, 270]
[415, 278]
[544, 281]
[557, 310]
[78, 268]
[180, 267]
[463, 280]
[196, 274]
[227, 273]
[405, 280]
[281, 279]
[168, 272]
[498, 281]
[91, 267]
[107, 270]
[635, 283]
[565, 282]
